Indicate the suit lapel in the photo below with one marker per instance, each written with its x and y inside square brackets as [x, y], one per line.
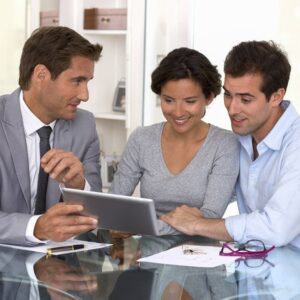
[62, 140]
[14, 132]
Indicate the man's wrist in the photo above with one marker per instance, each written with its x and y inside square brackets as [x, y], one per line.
[198, 226]
[31, 228]
[82, 186]
[38, 230]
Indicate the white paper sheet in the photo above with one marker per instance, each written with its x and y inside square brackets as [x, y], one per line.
[204, 256]
[44, 247]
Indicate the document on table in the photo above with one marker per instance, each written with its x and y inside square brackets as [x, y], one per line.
[43, 248]
[200, 256]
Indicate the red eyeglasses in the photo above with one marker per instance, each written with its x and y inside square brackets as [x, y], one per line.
[252, 248]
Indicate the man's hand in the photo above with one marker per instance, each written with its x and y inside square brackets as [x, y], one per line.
[64, 167]
[175, 291]
[63, 221]
[120, 234]
[183, 218]
[127, 251]
[60, 276]
[191, 221]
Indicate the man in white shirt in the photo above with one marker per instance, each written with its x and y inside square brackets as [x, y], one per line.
[268, 188]
[56, 66]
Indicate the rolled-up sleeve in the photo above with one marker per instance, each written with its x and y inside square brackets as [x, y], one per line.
[235, 226]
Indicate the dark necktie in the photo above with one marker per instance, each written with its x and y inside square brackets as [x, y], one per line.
[40, 204]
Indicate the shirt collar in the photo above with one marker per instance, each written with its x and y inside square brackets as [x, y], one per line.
[31, 122]
[274, 138]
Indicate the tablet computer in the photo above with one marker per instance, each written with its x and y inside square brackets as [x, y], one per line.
[116, 212]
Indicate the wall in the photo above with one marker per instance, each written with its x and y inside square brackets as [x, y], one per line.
[213, 27]
[219, 25]
[12, 36]
[167, 27]
[289, 28]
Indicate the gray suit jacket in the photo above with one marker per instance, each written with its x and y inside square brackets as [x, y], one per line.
[78, 135]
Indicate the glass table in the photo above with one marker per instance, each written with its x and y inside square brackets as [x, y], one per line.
[114, 273]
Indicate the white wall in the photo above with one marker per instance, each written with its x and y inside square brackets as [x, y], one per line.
[289, 29]
[167, 27]
[219, 25]
[12, 36]
[213, 27]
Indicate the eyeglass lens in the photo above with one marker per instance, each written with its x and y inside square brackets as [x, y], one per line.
[254, 245]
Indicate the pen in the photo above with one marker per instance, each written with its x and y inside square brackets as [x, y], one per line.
[64, 248]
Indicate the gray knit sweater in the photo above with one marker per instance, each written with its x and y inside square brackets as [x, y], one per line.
[207, 182]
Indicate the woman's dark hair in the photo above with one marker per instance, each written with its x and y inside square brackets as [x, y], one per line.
[184, 63]
[53, 47]
[262, 57]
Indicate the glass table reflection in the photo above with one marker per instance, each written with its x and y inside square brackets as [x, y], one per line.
[114, 273]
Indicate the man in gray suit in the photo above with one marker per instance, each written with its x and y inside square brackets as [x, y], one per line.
[56, 66]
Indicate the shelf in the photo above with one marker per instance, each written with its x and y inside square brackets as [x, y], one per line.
[104, 32]
[111, 116]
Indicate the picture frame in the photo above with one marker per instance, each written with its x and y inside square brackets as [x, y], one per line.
[109, 166]
[119, 101]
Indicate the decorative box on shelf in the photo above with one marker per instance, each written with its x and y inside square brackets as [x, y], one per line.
[105, 19]
[49, 18]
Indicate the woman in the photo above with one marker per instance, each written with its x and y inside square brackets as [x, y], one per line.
[183, 160]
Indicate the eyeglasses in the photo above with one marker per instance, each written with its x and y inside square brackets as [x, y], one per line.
[253, 261]
[252, 248]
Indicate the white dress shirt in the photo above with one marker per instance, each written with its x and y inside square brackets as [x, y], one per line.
[31, 125]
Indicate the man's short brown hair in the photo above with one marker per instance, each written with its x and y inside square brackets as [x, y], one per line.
[54, 47]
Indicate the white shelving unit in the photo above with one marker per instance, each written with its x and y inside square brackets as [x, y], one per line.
[122, 59]
[104, 32]
[110, 69]
[111, 116]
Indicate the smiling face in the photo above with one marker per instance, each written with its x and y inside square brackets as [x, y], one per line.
[183, 104]
[56, 99]
[249, 110]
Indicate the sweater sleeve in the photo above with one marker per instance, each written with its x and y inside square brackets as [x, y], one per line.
[129, 171]
[222, 178]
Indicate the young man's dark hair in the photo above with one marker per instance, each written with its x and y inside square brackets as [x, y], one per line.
[184, 63]
[54, 47]
[263, 57]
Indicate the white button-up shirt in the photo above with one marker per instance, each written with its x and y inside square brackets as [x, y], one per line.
[31, 125]
[268, 188]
